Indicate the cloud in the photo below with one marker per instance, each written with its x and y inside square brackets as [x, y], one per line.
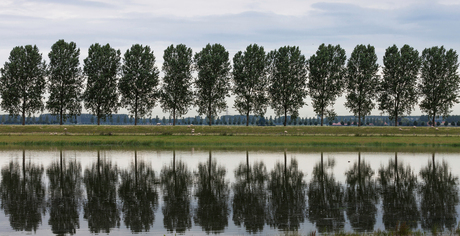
[234, 24]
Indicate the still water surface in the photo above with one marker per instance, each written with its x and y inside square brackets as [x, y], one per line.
[228, 192]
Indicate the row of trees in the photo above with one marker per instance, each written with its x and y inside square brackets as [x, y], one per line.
[277, 79]
[280, 197]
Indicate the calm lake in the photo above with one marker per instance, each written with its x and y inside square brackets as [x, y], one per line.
[199, 192]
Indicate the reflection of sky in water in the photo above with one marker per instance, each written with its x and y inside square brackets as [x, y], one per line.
[230, 160]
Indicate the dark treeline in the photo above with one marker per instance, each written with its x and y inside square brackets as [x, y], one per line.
[259, 195]
[281, 79]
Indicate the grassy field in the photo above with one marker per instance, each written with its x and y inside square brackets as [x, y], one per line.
[227, 130]
[230, 136]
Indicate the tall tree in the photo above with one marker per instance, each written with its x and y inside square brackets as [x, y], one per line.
[101, 67]
[65, 81]
[398, 88]
[288, 80]
[176, 92]
[138, 85]
[439, 81]
[250, 81]
[213, 82]
[325, 84]
[22, 82]
[362, 81]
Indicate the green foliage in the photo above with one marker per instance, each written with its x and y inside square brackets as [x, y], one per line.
[176, 92]
[325, 84]
[362, 81]
[65, 81]
[101, 67]
[213, 82]
[22, 82]
[138, 85]
[439, 81]
[398, 88]
[250, 81]
[288, 81]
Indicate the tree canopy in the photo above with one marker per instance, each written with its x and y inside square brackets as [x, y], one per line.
[101, 67]
[362, 81]
[65, 81]
[213, 82]
[288, 81]
[138, 85]
[250, 81]
[22, 82]
[176, 92]
[326, 73]
[439, 83]
[398, 88]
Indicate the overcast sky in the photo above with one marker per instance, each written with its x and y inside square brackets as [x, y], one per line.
[233, 23]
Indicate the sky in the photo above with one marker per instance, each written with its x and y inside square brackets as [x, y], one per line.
[233, 23]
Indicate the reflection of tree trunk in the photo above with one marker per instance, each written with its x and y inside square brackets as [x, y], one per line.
[135, 167]
[359, 165]
[24, 167]
[396, 168]
[174, 169]
[247, 166]
[98, 164]
[209, 170]
[61, 176]
[322, 174]
[285, 168]
[359, 173]
[434, 167]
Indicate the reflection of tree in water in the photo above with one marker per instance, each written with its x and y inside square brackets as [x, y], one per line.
[23, 194]
[176, 181]
[101, 209]
[138, 195]
[325, 198]
[439, 196]
[249, 200]
[286, 208]
[65, 194]
[212, 193]
[361, 196]
[398, 185]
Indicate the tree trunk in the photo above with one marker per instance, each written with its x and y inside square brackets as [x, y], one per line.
[23, 118]
[247, 119]
[98, 120]
[322, 119]
[210, 118]
[60, 117]
[135, 117]
[285, 117]
[434, 115]
[396, 120]
[359, 119]
[174, 117]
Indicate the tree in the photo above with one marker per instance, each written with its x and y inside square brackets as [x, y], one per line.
[213, 66]
[288, 80]
[439, 81]
[138, 84]
[65, 81]
[398, 88]
[176, 92]
[362, 81]
[250, 81]
[326, 72]
[101, 68]
[22, 82]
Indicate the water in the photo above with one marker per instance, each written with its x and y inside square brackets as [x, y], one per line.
[196, 192]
